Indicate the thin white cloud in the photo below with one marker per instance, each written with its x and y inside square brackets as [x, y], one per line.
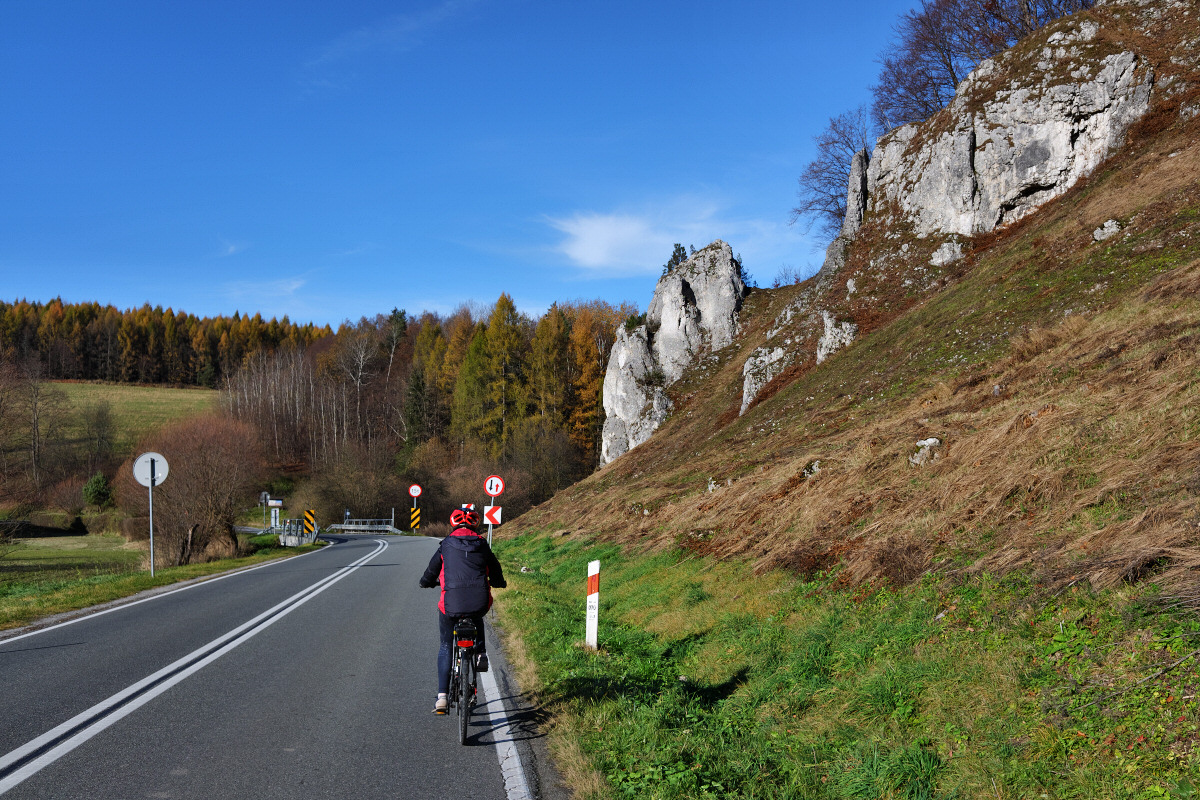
[279, 289]
[353, 251]
[396, 33]
[622, 244]
[611, 242]
[228, 248]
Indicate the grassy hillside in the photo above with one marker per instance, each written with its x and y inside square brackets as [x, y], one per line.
[139, 409]
[792, 608]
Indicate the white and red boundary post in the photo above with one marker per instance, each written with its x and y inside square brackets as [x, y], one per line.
[593, 603]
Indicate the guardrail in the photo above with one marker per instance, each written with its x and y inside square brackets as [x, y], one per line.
[366, 526]
[292, 534]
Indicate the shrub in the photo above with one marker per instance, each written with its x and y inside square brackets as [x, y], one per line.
[97, 491]
[213, 466]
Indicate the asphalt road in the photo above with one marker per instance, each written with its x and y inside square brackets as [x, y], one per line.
[309, 677]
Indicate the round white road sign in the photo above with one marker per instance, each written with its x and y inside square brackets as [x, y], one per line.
[415, 490]
[147, 463]
[494, 485]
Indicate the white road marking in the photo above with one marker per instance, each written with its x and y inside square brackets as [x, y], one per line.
[111, 710]
[515, 784]
[124, 606]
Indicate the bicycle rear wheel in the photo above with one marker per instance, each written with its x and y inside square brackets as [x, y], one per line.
[465, 680]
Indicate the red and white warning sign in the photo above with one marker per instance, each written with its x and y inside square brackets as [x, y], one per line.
[593, 604]
[494, 486]
[491, 515]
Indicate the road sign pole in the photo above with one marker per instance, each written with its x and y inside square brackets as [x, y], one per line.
[493, 487]
[152, 477]
[150, 469]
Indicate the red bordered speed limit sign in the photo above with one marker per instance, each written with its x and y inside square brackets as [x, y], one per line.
[415, 490]
[494, 486]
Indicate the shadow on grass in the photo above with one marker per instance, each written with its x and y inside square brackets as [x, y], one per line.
[21, 529]
[602, 687]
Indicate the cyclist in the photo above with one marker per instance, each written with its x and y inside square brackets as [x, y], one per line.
[466, 569]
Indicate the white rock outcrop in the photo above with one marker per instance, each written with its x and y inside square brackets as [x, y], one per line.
[633, 405]
[695, 305]
[1107, 230]
[694, 310]
[836, 336]
[948, 253]
[1021, 130]
[760, 368]
[927, 452]
[1008, 152]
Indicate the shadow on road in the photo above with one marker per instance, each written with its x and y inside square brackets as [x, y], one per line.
[523, 723]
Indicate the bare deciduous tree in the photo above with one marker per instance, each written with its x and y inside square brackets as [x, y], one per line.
[822, 193]
[99, 435]
[214, 465]
[937, 44]
[353, 356]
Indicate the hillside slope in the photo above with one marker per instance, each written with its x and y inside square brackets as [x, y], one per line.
[958, 557]
[1057, 372]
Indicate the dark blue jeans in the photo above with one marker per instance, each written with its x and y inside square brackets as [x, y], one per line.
[446, 629]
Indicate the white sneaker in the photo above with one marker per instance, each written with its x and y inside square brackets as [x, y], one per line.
[441, 706]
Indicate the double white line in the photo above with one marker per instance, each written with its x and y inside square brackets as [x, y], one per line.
[32, 756]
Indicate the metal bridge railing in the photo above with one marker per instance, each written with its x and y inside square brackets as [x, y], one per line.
[292, 534]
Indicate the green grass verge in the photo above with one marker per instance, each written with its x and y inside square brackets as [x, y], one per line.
[715, 682]
[40, 577]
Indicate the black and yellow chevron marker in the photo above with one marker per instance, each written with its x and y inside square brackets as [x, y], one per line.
[310, 521]
[416, 519]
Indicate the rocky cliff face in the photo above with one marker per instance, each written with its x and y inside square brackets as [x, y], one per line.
[1023, 129]
[1011, 140]
[694, 310]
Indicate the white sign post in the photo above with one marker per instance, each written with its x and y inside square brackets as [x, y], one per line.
[593, 604]
[150, 469]
[494, 487]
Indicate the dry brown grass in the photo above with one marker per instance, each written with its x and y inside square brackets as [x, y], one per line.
[1079, 466]
[1073, 451]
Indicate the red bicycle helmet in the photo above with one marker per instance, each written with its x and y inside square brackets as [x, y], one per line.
[464, 518]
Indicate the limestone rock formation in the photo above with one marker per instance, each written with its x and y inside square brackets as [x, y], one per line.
[694, 310]
[836, 336]
[634, 403]
[763, 365]
[1011, 142]
[1022, 129]
[695, 304]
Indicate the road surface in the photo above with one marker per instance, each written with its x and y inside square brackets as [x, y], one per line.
[308, 677]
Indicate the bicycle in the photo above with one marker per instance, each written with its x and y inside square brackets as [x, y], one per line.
[463, 690]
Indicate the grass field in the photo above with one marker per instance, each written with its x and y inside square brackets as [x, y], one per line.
[138, 410]
[712, 681]
[44, 576]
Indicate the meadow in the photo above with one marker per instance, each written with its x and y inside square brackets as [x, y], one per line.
[138, 410]
[50, 575]
[712, 681]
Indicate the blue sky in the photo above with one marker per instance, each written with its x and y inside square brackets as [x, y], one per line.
[329, 160]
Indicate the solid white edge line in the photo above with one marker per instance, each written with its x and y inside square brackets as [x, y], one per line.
[296, 600]
[123, 606]
[515, 785]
